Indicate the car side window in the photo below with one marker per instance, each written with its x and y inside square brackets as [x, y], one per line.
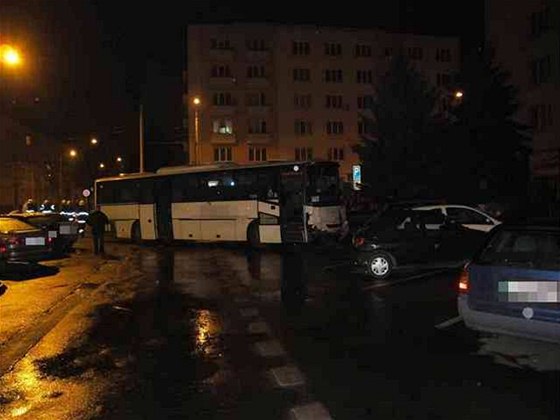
[466, 216]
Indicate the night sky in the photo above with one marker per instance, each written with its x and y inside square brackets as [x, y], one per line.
[91, 63]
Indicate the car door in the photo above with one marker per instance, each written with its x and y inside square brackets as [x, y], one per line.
[470, 218]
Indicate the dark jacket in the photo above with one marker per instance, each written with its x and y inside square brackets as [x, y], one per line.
[97, 220]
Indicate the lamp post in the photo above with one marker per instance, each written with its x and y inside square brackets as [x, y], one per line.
[196, 102]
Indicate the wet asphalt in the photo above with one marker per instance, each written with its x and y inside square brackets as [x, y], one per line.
[214, 325]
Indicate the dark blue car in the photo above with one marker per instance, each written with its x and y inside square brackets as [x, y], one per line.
[512, 285]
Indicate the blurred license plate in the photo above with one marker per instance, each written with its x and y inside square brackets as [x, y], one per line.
[53, 233]
[65, 230]
[35, 241]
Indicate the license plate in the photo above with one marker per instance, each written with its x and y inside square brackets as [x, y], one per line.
[53, 233]
[35, 241]
[65, 230]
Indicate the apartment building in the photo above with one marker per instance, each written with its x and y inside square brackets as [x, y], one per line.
[525, 39]
[268, 92]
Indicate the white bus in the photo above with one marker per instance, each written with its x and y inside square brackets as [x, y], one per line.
[260, 203]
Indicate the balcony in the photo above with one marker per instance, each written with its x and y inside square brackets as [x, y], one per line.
[222, 54]
[258, 55]
[258, 109]
[257, 82]
[219, 138]
[223, 109]
[259, 138]
[222, 81]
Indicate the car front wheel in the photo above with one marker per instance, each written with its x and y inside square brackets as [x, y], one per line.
[380, 265]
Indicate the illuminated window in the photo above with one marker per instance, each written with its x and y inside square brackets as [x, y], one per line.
[222, 126]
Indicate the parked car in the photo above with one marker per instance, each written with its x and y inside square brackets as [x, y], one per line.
[20, 241]
[512, 285]
[400, 239]
[63, 232]
[469, 217]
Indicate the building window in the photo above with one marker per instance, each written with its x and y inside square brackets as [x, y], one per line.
[443, 79]
[443, 55]
[222, 126]
[541, 116]
[365, 128]
[303, 153]
[222, 99]
[365, 102]
[333, 76]
[256, 45]
[220, 71]
[415, 53]
[256, 99]
[301, 75]
[222, 154]
[303, 128]
[541, 69]
[364, 76]
[255, 72]
[361, 50]
[220, 44]
[333, 101]
[302, 101]
[257, 126]
[335, 127]
[540, 22]
[257, 154]
[335, 153]
[300, 48]
[333, 49]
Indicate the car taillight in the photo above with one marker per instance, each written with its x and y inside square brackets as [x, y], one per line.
[50, 240]
[464, 280]
[3, 248]
[359, 240]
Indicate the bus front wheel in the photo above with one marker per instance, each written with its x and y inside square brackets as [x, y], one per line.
[135, 234]
[253, 236]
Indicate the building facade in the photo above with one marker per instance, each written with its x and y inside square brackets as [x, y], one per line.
[531, 53]
[260, 92]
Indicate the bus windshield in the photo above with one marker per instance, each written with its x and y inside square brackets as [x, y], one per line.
[323, 185]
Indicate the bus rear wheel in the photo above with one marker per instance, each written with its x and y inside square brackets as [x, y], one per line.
[253, 235]
[135, 234]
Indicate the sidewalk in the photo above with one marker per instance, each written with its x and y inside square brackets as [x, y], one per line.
[31, 294]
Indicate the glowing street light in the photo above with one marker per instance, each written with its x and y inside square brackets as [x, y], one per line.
[10, 56]
[458, 94]
[94, 141]
[119, 159]
[101, 165]
[73, 153]
[196, 102]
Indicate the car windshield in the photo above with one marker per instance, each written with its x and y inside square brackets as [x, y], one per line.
[531, 249]
[8, 224]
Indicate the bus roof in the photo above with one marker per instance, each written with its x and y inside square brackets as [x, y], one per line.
[184, 169]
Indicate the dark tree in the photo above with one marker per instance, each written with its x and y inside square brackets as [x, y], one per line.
[398, 142]
[498, 146]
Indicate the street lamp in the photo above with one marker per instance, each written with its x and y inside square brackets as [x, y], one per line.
[9, 56]
[94, 141]
[101, 166]
[119, 159]
[196, 102]
[458, 94]
[73, 153]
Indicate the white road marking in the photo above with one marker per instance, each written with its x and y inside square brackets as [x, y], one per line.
[258, 327]
[449, 322]
[287, 376]
[271, 348]
[405, 280]
[248, 312]
[311, 411]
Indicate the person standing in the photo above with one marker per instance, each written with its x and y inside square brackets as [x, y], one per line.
[97, 220]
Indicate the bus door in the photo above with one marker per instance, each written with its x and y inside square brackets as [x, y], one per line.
[292, 199]
[163, 198]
